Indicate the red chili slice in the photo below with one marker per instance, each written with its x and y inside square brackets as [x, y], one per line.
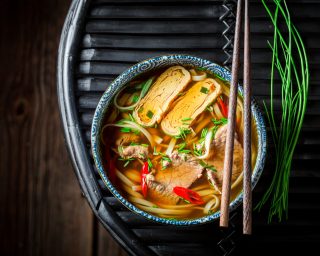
[144, 172]
[189, 195]
[223, 107]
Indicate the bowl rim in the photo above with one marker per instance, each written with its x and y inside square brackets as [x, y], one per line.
[147, 65]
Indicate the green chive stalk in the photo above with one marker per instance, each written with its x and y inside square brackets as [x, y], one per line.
[294, 76]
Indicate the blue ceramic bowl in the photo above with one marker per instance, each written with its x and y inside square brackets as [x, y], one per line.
[160, 62]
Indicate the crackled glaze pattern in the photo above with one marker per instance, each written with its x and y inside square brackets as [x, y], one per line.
[145, 66]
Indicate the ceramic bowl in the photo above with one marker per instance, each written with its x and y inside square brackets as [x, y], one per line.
[149, 65]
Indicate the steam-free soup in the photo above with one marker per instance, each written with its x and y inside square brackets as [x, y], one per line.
[164, 139]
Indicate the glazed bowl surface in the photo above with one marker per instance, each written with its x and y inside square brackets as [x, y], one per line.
[147, 66]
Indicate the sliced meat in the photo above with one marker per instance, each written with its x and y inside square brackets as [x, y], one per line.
[183, 171]
[217, 158]
[124, 139]
[191, 105]
[165, 89]
[136, 151]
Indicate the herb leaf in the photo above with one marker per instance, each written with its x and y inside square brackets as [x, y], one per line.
[207, 166]
[125, 129]
[135, 98]
[204, 90]
[221, 121]
[150, 163]
[150, 114]
[183, 133]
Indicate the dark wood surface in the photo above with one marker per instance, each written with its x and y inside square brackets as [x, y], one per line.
[42, 211]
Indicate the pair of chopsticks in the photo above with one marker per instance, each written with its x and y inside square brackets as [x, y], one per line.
[228, 160]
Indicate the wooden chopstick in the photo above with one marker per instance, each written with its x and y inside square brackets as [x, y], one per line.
[228, 159]
[247, 192]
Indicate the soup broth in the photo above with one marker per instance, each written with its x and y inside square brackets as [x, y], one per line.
[163, 142]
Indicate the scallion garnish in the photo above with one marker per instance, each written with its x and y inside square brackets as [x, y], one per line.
[150, 114]
[145, 87]
[207, 166]
[294, 76]
[125, 129]
[135, 98]
[204, 90]
[127, 161]
[183, 133]
[131, 117]
[150, 163]
[204, 132]
[201, 69]
[221, 121]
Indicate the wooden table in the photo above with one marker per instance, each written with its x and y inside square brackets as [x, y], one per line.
[42, 211]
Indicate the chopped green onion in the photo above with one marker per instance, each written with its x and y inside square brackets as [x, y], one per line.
[150, 163]
[185, 151]
[120, 149]
[186, 119]
[204, 90]
[150, 114]
[127, 161]
[155, 153]
[204, 132]
[131, 117]
[209, 108]
[166, 158]
[142, 155]
[221, 78]
[207, 166]
[183, 133]
[221, 121]
[186, 201]
[145, 87]
[125, 129]
[135, 98]
[182, 145]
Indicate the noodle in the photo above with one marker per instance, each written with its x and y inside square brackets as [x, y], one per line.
[133, 175]
[124, 179]
[179, 212]
[217, 111]
[141, 201]
[130, 173]
[136, 188]
[131, 192]
[176, 206]
[205, 192]
[237, 181]
[211, 205]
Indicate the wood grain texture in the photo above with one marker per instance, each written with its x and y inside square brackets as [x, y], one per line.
[42, 211]
[247, 193]
[228, 159]
[106, 245]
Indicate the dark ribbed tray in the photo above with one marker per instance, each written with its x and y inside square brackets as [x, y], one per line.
[101, 38]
